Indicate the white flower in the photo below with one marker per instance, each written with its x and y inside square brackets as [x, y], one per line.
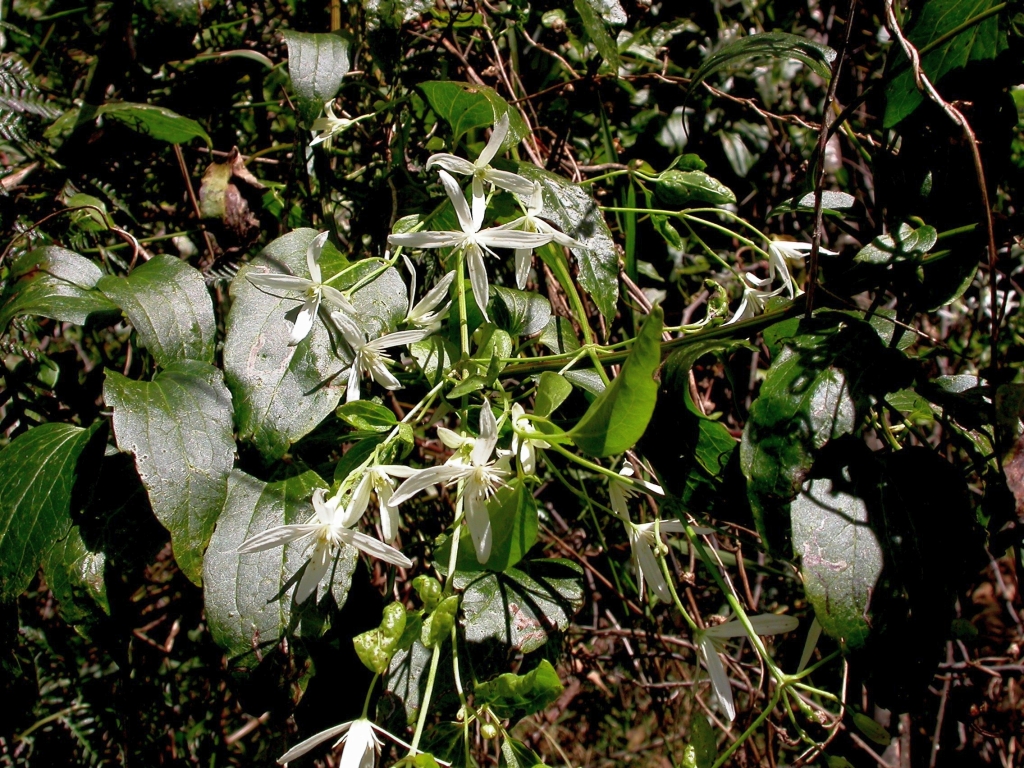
[525, 447]
[361, 744]
[331, 125]
[619, 493]
[368, 356]
[778, 253]
[311, 291]
[480, 474]
[709, 641]
[378, 480]
[642, 543]
[425, 313]
[481, 170]
[329, 528]
[472, 240]
[530, 222]
[753, 301]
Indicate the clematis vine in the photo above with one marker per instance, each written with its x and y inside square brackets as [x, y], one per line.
[472, 240]
[530, 221]
[330, 529]
[378, 480]
[779, 251]
[330, 125]
[425, 313]
[711, 640]
[753, 301]
[481, 474]
[310, 291]
[524, 445]
[361, 744]
[368, 355]
[481, 170]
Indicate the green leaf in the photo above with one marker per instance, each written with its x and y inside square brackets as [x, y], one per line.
[356, 455]
[435, 356]
[367, 415]
[317, 62]
[552, 390]
[515, 754]
[841, 558]
[514, 525]
[87, 219]
[429, 591]
[681, 187]
[159, 123]
[905, 244]
[517, 696]
[559, 337]
[376, 647]
[832, 204]
[520, 607]
[767, 45]
[870, 728]
[702, 751]
[466, 106]
[169, 305]
[55, 283]
[245, 595]
[438, 625]
[576, 213]
[178, 427]
[619, 416]
[38, 474]
[598, 33]
[520, 313]
[75, 576]
[981, 41]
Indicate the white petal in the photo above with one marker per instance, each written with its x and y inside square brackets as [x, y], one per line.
[425, 478]
[671, 526]
[513, 182]
[317, 567]
[451, 439]
[353, 333]
[479, 203]
[397, 470]
[451, 163]
[484, 445]
[337, 298]
[720, 685]
[434, 296]
[359, 502]
[524, 259]
[763, 624]
[375, 547]
[458, 202]
[279, 282]
[360, 746]
[303, 747]
[528, 457]
[479, 523]
[478, 278]
[384, 377]
[304, 320]
[535, 203]
[397, 339]
[426, 239]
[276, 537]
[389, 519]
[509, 238]
[352, 393]
[494, 143]
[313, 255]
[647, 564]
[412, 281]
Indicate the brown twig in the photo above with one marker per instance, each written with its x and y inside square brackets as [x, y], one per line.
[211, 254]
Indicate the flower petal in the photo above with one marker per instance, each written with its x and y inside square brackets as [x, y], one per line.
[304, 320]
[313, 255]
[720, 684]
[479, 523]
[276, 537]
[510, 238]
[317, 567]
[647, 564]
[451, 186]
[433, 297]
[352, 391]
[279, 282]
[359, 502]
[812, 640]
[479, 204]
[484, 445]
[303, 747]
[524, 260]
[478, 278]
[494, 143]
[426, 239]
[337, 298]
[384, 377]
[424, 478]
[389, 519]
[512, 182]
[397, 339]
[451, 163]
[763, 624]
[375, 547]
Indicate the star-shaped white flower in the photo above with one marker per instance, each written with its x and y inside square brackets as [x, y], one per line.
[425, 313]
[310, 291]
[361, 744]
[378, 479]
[368, 355]
[331, 125]
[753, 302]
[330, 529]
[481, 474]
[471, 240]
[481, 170]
[778, 253]
[526, 447]
[530, 221]
[710, 640]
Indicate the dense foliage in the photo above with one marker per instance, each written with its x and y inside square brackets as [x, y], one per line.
[511, 383]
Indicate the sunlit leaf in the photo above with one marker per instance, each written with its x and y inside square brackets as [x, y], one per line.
[317, 63]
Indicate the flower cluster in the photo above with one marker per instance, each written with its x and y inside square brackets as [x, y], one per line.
[757, 290]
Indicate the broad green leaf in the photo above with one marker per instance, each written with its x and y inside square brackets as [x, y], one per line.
[368, 416]
[980, 41]
[376, 647]
[520, 607]
[75, 576]
[552, 390]
[435, 356]
[619, 416]
[407, 679]
[870, 728]
[159, 123]
[841, 558]
[38, 474]
[247, 597]
[178, 428]
[429, 590]
[575, 212]
[767, 45]
[586, 379]
[88, 219]
[682, 187]
[283, 392]
[55, 283]
[559, 336]
[905, 244]
[465, 106]
[437, 627]
[521, 313]
[598, 33]
[702, 750]
[514, 526]
[516, 696]
[169, 305]
[317, 62]
[515, 754]
[832, 204]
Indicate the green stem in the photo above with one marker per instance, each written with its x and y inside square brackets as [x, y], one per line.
[369, 692]
[675, 595]
[460, 279]
[722, 758]
[425, 701]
